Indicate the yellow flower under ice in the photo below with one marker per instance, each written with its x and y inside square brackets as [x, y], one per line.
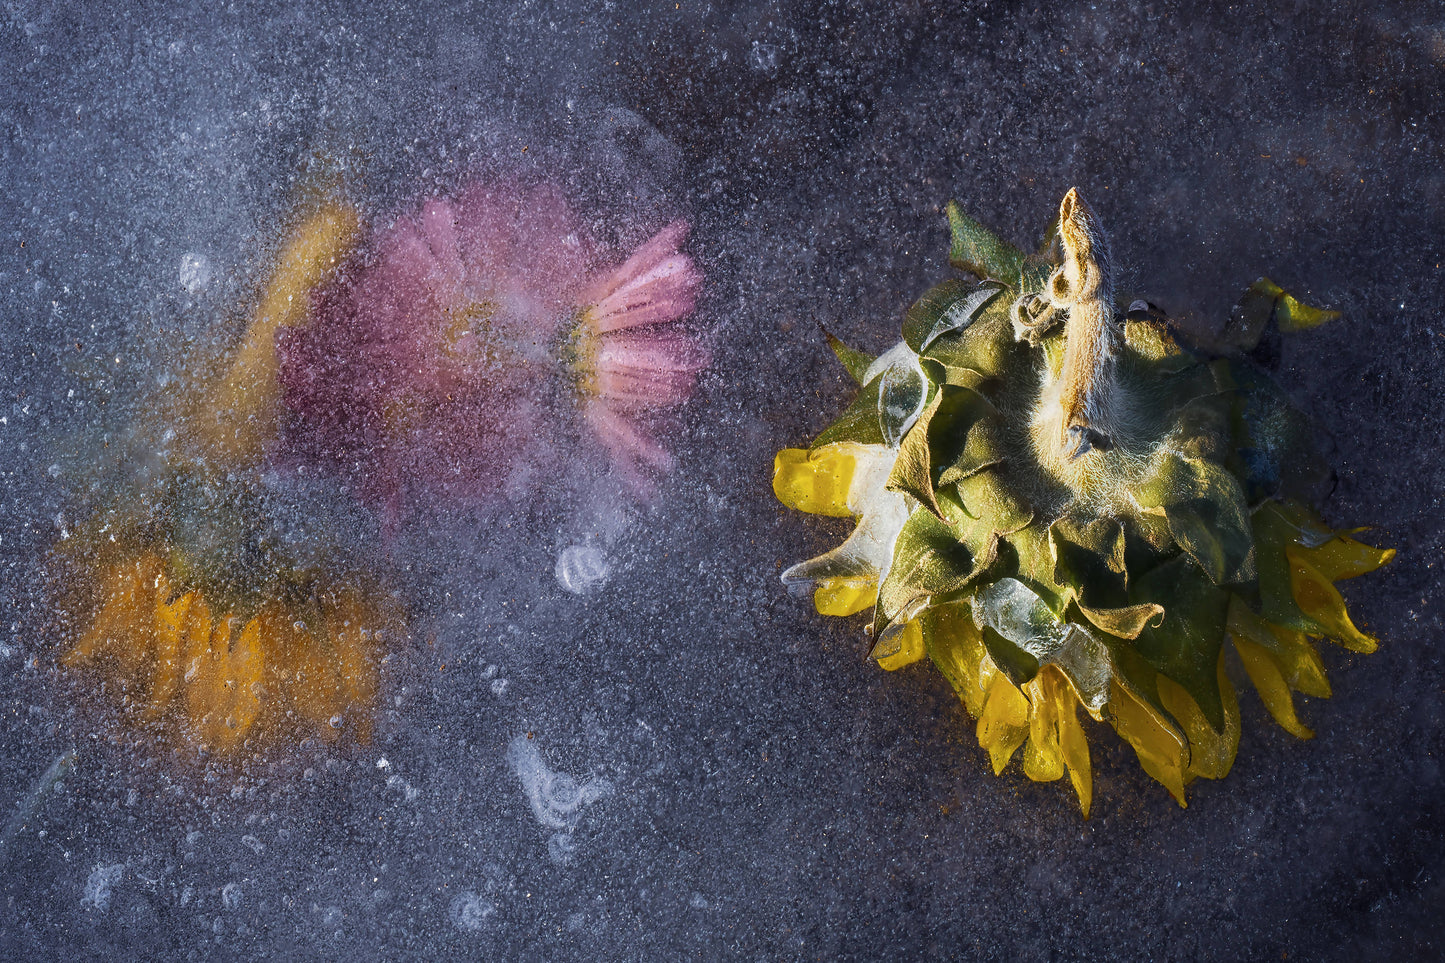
[286, 671]
[843, 480]
[196, 621]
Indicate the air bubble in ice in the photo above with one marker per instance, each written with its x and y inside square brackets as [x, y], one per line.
[582, 568]
[470, 911]
[195, 271]
[231, 896]
[560, 847]
[764, 58]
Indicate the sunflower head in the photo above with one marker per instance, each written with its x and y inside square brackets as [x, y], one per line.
[1063, 505]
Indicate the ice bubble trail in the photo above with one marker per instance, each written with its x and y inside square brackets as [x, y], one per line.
[557, 799]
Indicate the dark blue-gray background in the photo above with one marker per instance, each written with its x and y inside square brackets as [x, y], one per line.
[769, 794]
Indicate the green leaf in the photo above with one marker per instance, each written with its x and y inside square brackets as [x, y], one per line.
[856, 362]
[966, 435]
[1027, 553]
[928, 560]
[986, 495]
[1088, 556]
[986, 347]
[1034, 275]
[1127, 621]
[1154, 341]
[858, 423]
[1185, 646]
[913, 468]
[1207, 515]
[979, 251]
[945, 308]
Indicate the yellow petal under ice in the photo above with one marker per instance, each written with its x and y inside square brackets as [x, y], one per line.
[1056, 742]
[1342, 557]
[817, 481]
[1321, 601]
[1211, 751]
[1271, 685]
[170, 628]
[1003, 725]
[1161, 752]
[845, 597]
[910, 642]
[956, 647]
[236, 414]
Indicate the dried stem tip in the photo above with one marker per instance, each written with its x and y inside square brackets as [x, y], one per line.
[1084, 286]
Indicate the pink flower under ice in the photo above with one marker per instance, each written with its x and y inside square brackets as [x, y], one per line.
[634, 358]
[445, 360]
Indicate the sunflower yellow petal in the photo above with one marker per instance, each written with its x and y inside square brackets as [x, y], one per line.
[956, 646]
[352, 625]
[1004, 723]
[1211, 753]
[1342, 557]
[244, 671]
[205, 686]
[1300, 662]
[170, 629]
[844, 597]
[816, 481]
[1160, 751]
[1075, 749]
[1321, 601]
[910, 650]
[1043, 759]
[1270, 683]
[1294, 654]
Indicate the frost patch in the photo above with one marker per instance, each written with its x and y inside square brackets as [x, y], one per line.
[98, 886]
[470, 911]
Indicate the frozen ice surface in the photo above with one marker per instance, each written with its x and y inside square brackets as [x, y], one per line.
[774, 796]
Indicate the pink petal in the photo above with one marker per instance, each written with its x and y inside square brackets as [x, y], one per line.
[439, 227]
[663, 245]
[627, 443]
[666, 292]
